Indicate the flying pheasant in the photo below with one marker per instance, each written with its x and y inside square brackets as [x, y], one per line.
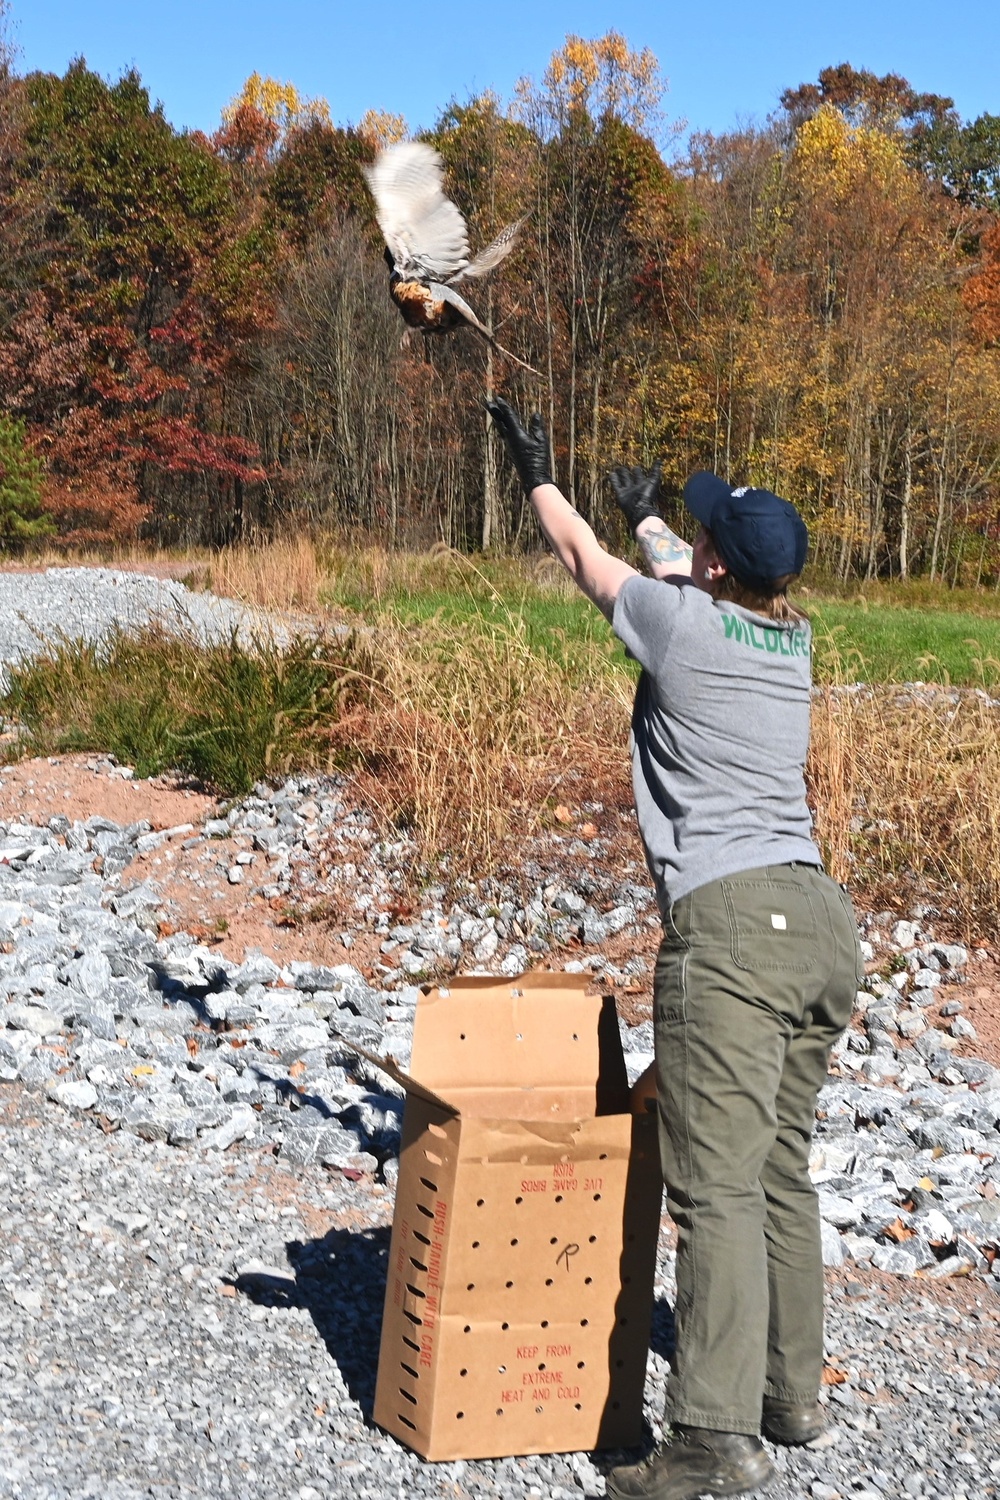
[427, 244]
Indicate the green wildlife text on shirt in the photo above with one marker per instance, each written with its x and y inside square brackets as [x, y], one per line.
[766, 637]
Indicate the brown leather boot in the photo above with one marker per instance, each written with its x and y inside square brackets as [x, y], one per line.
[699, 1461]
[791, 1423]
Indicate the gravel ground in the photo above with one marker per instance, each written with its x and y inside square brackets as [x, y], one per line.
[196, 1182]
[129, 1369]
[36, 608]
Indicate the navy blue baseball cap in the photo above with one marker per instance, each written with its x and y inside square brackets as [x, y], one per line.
[758, 536]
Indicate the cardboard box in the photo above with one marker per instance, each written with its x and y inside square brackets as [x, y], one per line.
[520, 1282]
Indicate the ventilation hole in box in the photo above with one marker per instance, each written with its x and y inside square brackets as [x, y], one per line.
[471, 1287]
[418, 1264]
[576, 1036]
[559, 1197]
[411, 1345]
[428, 1213]
[433, 1158]
[465, 1372]
[544, 1323]
[519, 1036]
[592, 1240]
[504, 1327]
[406, 1421]
[603, 1156]
[413, 1317]
[577, 1406]
[461, 1036]
[501, 1369]
[499, 1411]
[431, 1187]
[467, 1328]
[415, 1290]
[597, 1197]
[438, 1130]
[514, 1242]
[553, 1240]
[588, 1280]
[508, 1285]
[581, 1364]
[541, 1367]
[409, 1369]
[548, 1281]
[407, 1396]
[459, 1415]
[539, 1409]
[584, 1322]
[475, 1244]
[480, 1202]
[518, 1200]
[422, 1238]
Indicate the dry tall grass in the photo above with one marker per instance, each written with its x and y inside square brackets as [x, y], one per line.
[466, 733]
[283, 575]
[906, 789]
[471, 735]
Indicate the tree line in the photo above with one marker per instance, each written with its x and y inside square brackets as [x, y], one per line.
[197, 346]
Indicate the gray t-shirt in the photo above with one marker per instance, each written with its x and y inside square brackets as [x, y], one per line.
[720, 731]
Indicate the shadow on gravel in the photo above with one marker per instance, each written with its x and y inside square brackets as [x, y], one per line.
[171, 989]
[662, 1334]
[340, 1281]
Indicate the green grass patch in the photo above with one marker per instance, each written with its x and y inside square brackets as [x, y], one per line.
[554, 618]
[228, 714]
[889, 643]
[889, 633]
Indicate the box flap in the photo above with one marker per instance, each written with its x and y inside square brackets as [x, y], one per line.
[387, 1065]
[539, 1030]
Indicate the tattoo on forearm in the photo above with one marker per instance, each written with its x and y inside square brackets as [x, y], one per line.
[661, 546]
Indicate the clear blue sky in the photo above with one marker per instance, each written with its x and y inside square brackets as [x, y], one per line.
[726, 62]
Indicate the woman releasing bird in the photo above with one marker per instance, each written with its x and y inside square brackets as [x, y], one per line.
[427, 244]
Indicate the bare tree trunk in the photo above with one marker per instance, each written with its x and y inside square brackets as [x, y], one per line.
[904, 505]
[491, 529]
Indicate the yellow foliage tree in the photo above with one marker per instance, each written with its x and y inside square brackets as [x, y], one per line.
[279, 102]
[381, 128]
[834, 158]
[601, 78]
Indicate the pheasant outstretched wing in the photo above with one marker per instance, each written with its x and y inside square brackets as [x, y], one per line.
[494, 253]
[423, 229]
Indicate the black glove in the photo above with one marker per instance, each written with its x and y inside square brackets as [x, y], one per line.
[636, 492]
[529, 448]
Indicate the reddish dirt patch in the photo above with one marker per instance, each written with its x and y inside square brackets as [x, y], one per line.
[80, 786]
[981, 999]
[198, 897]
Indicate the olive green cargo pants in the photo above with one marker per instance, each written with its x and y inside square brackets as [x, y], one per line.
[755, 980]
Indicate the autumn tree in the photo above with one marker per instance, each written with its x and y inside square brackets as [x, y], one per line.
[107, 355]
[594, 102]
[22, 519]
